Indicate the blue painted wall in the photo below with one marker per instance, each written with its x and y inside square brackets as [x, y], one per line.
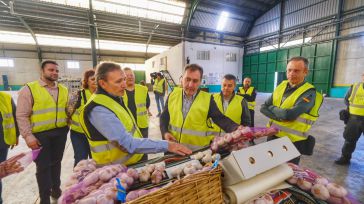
[339, 91]
[13, 87]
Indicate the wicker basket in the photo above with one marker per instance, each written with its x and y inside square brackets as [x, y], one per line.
[203, 187]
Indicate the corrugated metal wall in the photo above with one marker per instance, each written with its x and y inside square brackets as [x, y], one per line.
[298, 12]
[316, 19]
[352, 4]
[268, 23]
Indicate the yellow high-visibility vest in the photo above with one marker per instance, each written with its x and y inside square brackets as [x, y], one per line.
[140, 98]
[158, 85]
[47, 114]
[8, 123]
[75, 121]
[234, 110]
[356, 100]
[103, 151]
[251, 105]
[192, 130]
[296, 130]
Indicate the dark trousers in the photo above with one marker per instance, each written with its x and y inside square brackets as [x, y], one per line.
[296, 144]
[3, 155]
[251, 118]
[353, 130]
[144, 132]
[49, 161]
[81, 147]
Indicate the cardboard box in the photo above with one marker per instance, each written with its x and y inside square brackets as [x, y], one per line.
[249, 162]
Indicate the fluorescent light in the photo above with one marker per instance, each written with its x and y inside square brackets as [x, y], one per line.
[61, 41]
[270, 47]
[168, 11]
[286, 44]
[222, 20]
[16, 37]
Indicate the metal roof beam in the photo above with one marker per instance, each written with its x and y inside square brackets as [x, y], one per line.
[193, 8]
[215, 31]
[253, 4]
[240, 11]
[218, 14]
[11, 7]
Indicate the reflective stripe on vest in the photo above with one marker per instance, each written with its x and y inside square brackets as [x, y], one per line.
[298, 129]
[192, 129]
[251, 105]
[158, 85]
[8, 121]
[104, 152]
[356, 100]
[75, 121]
[234, 110]
[46, 113]
[140, 99]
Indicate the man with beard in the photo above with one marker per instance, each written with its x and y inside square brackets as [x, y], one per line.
[42, 121]
[249, 93]
[138, 101]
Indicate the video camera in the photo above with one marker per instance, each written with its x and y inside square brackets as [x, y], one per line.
[153, 75]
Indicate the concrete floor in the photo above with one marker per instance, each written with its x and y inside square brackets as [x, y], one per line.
[22, 188]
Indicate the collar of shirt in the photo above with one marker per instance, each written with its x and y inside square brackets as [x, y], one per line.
[223, 99]
[44, 84]
[289, 87]
[187, 98]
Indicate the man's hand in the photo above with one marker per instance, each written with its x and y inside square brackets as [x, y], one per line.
[32, 142]
[11, 166]
[178, 149]
[169, 137]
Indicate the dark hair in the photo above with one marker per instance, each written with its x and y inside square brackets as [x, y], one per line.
[44, 63]
[159, 74]
[230, 77]
[86, 75]
[303, 59]
[104, 68]
[127, 69]
[194, 67]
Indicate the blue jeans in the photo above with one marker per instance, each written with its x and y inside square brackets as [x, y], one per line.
[80, 146]
[3, 155]
[159, 98]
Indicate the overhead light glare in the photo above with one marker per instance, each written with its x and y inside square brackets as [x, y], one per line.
[222, 20]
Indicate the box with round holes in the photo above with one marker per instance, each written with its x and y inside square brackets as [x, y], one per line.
[246, 163]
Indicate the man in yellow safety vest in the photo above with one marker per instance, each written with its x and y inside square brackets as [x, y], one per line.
[112, 131]
[249, 93]
[159, 88]
[354, 99]
[230, 104]
[293, 107]
[188, 113]
[9, 132]
[42, 120]
[138, 101]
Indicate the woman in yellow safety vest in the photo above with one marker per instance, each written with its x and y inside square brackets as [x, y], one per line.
[80, 144]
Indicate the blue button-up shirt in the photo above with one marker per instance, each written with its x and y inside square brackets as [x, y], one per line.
[111, 127]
